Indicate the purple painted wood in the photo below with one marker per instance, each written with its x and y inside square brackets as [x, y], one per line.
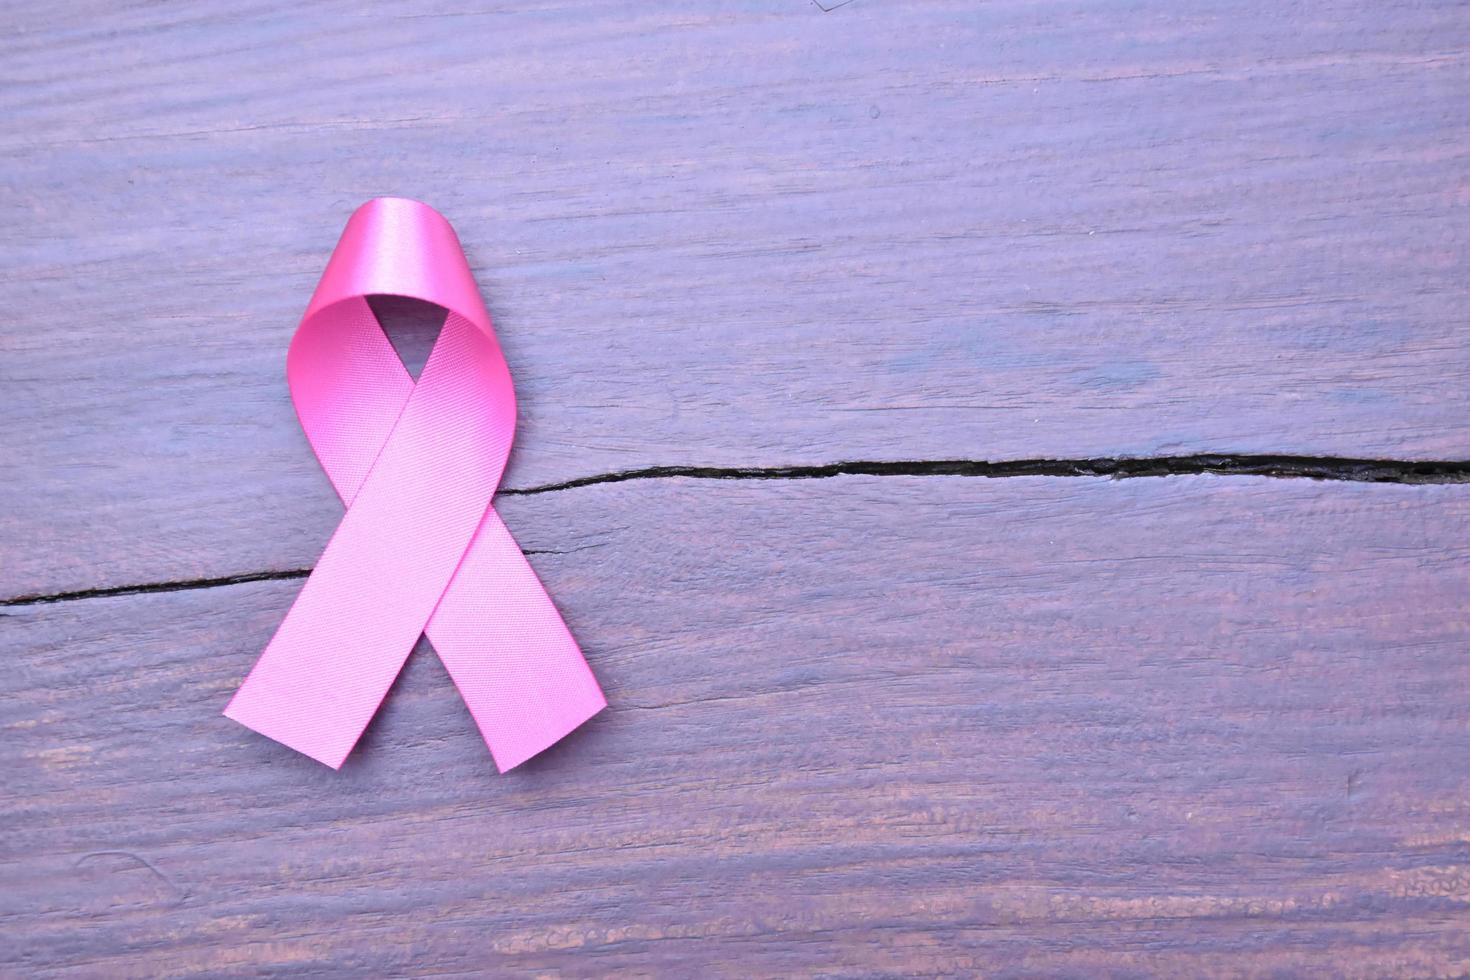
[913, 725]
[724, 235]
[859, 726]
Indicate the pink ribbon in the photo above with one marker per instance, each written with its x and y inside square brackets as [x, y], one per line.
[420, 549]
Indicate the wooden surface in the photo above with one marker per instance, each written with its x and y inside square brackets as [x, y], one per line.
[920, 724]
[743, 235]
[901, 723]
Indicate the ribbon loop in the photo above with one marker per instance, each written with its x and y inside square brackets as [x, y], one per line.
[420, 549]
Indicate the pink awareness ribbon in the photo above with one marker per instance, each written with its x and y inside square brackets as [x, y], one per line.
[420, 549]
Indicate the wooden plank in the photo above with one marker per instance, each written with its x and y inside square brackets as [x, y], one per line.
[863, 726]
[735, 235]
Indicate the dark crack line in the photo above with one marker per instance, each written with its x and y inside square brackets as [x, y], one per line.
[1332, 468]
[1336, 468]
[185, 585]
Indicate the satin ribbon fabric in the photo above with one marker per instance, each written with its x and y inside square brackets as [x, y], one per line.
[420, 549]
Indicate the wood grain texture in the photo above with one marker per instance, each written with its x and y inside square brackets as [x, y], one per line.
[723, 234]
[908, 725]
[859, 726]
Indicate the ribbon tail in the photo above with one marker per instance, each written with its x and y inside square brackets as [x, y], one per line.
[509, 651]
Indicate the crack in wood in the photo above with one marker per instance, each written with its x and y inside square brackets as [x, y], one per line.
[1337, 468]
[1330, 468]
[182, 585]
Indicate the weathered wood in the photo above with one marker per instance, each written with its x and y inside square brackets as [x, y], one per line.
[748, 235]
[859, 726]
